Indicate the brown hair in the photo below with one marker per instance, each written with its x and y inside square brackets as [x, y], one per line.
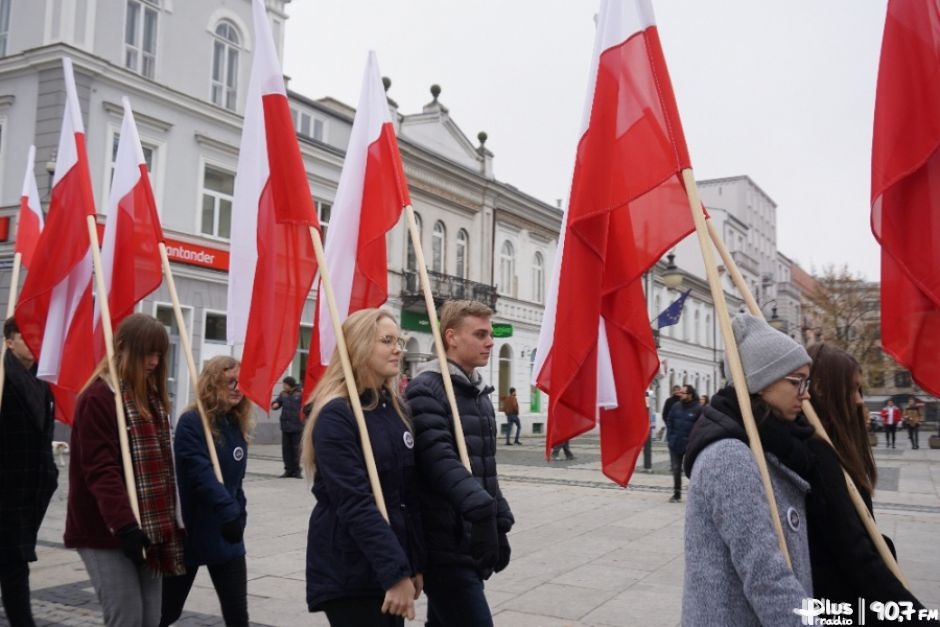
[9, 328]
[137, 337]
[833, 392]
[213, 389]
[360, 330]
[453, 313]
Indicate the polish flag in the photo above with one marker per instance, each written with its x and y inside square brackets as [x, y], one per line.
[29, 224]
[54, 313]
[628, 207]
[905, 175]
[272, 261]
[130, 253]
[369, 200]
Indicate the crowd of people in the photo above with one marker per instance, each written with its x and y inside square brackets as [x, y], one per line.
[442, 529]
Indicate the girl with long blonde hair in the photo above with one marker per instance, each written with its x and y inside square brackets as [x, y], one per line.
[362, 570]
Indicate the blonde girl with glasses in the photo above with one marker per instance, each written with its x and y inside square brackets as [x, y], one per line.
[362, 570]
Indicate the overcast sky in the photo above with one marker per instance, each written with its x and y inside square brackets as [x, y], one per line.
[782, 91]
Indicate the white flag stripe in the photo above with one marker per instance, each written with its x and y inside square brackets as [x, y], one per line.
[342, 244]
[250, 177]
[67, 153]
[30, 190]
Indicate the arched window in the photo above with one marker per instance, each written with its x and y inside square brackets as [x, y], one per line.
[411, 262]
[438, 248]
[708, 330]
[507, 269]
[538, 278]
[463, 254]
[697, 331]
[225, 55]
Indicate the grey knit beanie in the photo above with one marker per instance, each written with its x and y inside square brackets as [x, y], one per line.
[766, 354]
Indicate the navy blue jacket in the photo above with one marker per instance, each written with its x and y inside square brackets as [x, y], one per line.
[206, 503]
[452, 499]
[679, 423]
[289, 404]
[351, 550]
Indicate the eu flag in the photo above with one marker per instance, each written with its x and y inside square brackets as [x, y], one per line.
[671, 314]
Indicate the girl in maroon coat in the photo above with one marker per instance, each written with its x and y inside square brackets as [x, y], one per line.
[126, 558]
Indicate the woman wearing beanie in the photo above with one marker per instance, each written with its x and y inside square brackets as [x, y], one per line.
[846, 564]
[735, 573]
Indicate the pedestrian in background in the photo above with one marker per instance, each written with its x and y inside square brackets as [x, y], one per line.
[466, 517]
[289, 402]
[564, 446]
[215, 513]
[126, 560]
[912, 420]
[361, 570]
[735, 573]
[845, 563]
[511, 408]
[679, 422]
[673, 399]
[28, 474]
[890, 417]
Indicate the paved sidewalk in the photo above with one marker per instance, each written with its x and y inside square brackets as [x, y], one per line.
[585, 552]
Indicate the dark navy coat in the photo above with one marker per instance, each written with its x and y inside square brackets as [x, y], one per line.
[206, 503]
[351, 550]
[452, 499]
[679, 423]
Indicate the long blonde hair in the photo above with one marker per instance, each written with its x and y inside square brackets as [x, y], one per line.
[360, 330]
[213, 389]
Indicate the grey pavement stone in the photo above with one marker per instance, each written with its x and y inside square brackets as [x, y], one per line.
[585, 552]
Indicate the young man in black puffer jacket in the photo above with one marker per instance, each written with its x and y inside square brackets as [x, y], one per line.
[464, 514]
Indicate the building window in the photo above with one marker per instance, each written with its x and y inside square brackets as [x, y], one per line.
[225, 53]
[538, 278]
[323, 214]
[696, 331]
[307, 125]
[298, 366]
[215, 328]
[412, 261]
[438, 247]
[149, 154]
[507, 269]
[4, 25]
[463, 250]
[902, 379]
[140, 37]
[218, 186]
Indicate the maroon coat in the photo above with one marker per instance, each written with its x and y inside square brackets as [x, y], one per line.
[98, 504]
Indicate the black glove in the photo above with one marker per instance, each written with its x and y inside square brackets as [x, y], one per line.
[504, 552]
[484, 543]
[778, 438]
[133, 542]
[233, 531]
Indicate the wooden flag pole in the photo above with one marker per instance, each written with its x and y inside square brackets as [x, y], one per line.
[11, 306]
[129, 481]
[348, 372]
[436, 334]
[734, 358]
[867, 519]
[190, 362]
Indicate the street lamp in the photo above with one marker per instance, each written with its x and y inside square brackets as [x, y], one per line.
[672, 277]
[776, 322]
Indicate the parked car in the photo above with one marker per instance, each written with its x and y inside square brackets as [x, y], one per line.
[875, 424]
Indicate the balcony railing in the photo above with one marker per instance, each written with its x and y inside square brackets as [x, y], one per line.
[445, 287]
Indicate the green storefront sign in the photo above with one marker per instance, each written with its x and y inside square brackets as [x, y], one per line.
[415, 321]
[502, 329]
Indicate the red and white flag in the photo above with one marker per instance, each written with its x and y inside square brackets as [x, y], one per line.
[905, 177]
[30, 221]
[272, 261]
[369, 199]
[130, 253]
[628, 206]
[54, 312]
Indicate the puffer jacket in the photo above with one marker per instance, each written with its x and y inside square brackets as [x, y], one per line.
[452, 499]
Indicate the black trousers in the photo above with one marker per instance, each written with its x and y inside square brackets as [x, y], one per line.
[456, 598]
[290, 452]
[890, 433]
[230, 580]
[360, 612]
[675, 464]
[14, 586]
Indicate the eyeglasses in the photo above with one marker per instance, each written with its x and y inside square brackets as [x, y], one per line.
[801, 384]
[233, 384]
[391, 341]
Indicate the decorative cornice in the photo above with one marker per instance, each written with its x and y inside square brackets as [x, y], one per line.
[141, 118]
[210, 142]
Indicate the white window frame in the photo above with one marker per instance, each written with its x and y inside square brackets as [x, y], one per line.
[439, 247]
[207, 163]
[462, 268]
[6, 7]
[538, 277]
[227, 94]
[205, 318]
[411, 257]
[182, 370]
[294, 368]
[324, 223]
[144, 62]
[507, 269]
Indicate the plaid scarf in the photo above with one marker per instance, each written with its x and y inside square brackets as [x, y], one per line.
[152, 457]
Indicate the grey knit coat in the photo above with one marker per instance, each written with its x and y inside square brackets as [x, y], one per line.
[735, 573]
